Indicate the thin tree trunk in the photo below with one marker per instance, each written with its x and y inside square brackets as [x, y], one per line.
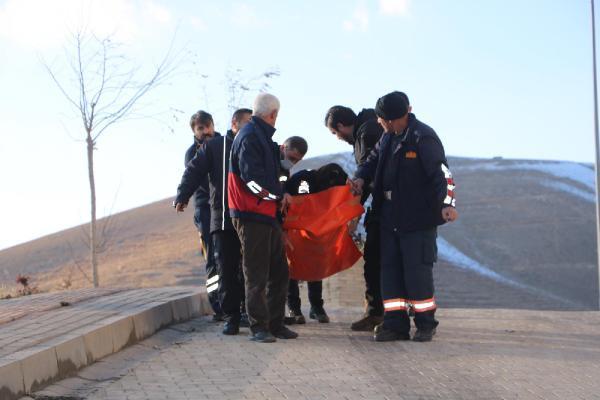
[93, 252]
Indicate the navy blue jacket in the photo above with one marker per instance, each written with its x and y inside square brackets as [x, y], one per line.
[212, 161]
[201, 196]
[253, 181]
[423, 184]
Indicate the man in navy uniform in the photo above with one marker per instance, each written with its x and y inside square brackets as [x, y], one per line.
[203, 126]
[212, 160]
[414, 190]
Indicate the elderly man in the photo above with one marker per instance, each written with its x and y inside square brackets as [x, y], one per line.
[414, 190]
[255, 195]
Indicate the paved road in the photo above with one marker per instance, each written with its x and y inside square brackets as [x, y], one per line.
[477, 354]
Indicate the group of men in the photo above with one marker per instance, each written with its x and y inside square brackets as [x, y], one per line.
[241, 197]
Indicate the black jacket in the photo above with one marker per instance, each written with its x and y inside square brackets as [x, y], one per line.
[201, 196]
[212, 163]
[423, 184]
[253, 181]
[367, 133]
[316, 180]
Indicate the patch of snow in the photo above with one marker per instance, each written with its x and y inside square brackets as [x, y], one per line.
[564, 187]
[580, 173]
[458, 259]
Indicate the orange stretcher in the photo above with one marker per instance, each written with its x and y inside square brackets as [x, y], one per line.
[318, 243]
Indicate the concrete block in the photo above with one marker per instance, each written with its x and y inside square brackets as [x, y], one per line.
[200, 304]
[181, 309]
[71, 356]
[196, 304]
[39, 365]
[152, 319]
[11, 380]
[98, 342]
[123, 333]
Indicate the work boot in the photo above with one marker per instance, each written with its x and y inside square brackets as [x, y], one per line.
[294, 317]
[231, 328]
[319, 314]
[382, 334]
[284, 333]
[218, 317]
[366, 324]
[424, 335]
[244, 321]
[262, 337]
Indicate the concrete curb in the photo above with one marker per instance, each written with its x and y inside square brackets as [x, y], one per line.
[31, 369]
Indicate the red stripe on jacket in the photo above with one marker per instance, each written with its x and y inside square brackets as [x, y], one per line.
[242, 200]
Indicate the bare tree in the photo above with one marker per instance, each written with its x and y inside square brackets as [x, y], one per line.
[239, 85]
[103, 87]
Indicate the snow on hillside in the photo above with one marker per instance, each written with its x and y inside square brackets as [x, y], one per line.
[576, 172]
[455, 257]
[581, 174]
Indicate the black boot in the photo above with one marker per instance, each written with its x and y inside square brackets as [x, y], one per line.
[284, 333]
[382, 334]
[367, 323]
[319, 314]
[424, 335]
[231, 328]
[294, 317]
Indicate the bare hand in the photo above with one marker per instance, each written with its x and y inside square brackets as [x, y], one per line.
[353, 224]
[179, 207]
[357, 186]
[285, 203]
[449, 214]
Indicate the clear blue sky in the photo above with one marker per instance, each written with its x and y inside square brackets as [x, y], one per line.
[494, 78]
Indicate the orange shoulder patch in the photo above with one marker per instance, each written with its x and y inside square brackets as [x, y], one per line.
[411, 154]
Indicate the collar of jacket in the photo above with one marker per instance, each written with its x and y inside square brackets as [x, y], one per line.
[409, 128]
[199, 143]
[268, 129]
[366, 114]
[230, 135]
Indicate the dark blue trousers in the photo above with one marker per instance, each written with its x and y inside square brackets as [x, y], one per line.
[315, 295]
[202, 222]
[407, 277]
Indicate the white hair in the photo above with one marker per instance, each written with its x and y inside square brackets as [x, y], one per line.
[265, 104]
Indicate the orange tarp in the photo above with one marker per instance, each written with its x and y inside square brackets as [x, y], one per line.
[318, 243]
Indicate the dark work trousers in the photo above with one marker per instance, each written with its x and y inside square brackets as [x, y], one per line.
[372, 267]
[315, 295]
[231, 284]
[407, 277]
[202, 222]
[266, 273]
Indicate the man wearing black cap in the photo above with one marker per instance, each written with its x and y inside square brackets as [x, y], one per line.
[414, 190]
[362, 132]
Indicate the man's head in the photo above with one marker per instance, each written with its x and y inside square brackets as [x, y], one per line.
[294, 149]
[340, 121]
[266, 107]
[392, 111]
[240, 118]
[202, 125]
